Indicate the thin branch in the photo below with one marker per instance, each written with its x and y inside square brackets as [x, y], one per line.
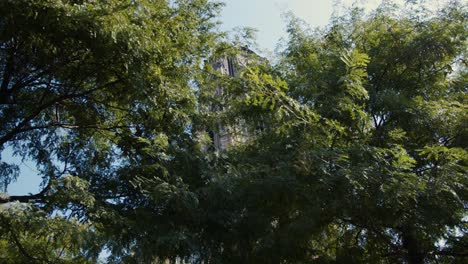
[449, 253]
[23, 250]
[7, 74]
[21, 126]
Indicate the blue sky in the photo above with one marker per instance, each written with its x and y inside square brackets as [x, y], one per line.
[267, 16]
[28, 180]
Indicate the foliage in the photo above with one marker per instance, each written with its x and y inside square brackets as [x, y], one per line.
[29, 235]
[353, 147]
[391, 181]
[98, 95]
[360, 156]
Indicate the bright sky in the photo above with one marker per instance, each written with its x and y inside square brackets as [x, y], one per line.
[267, 16]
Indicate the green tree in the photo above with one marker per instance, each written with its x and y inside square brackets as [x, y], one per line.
[98, 95]
[354, 151]
[362, 156]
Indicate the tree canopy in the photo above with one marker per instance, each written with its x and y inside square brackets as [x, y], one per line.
[353, 147]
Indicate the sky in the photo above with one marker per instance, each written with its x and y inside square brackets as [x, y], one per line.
[267, 16]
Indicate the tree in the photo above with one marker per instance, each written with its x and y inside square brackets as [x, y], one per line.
[361, 158]
[97, 94]
[398, 189]
[355, 150]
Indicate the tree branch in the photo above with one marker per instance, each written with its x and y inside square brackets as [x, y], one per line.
[21, 126]
[31, 198]
[7, 73]
[23, 250]
[21, 198]
[451, 254]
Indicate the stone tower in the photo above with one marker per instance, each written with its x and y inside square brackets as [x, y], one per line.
[226, 136]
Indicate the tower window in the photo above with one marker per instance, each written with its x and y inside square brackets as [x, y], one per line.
[230, 67]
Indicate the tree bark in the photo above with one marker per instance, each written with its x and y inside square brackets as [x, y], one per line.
[31, 198]
[22, 199]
